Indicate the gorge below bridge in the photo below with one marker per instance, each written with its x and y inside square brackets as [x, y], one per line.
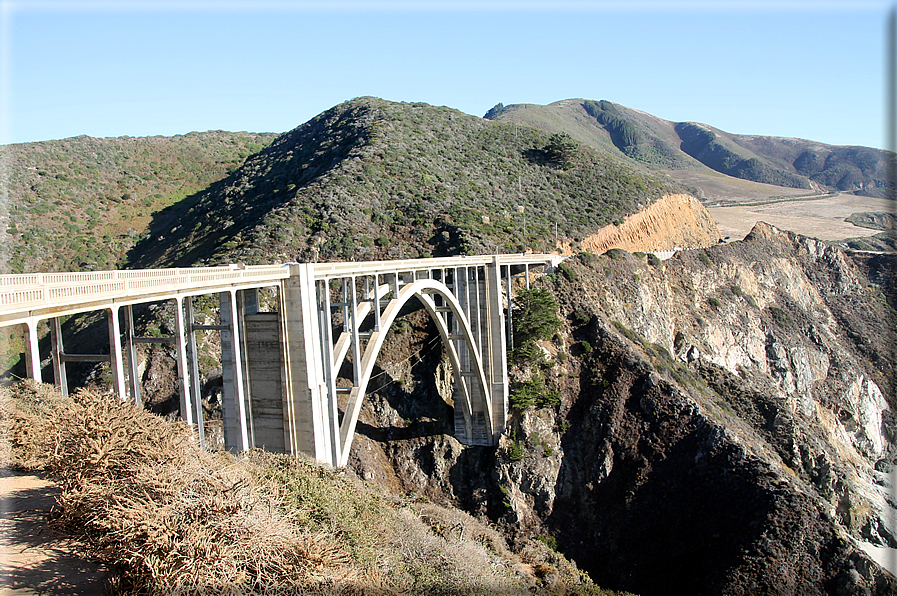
[282, 370]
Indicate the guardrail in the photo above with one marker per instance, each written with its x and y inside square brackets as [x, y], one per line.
[19, 292]
[343, 269]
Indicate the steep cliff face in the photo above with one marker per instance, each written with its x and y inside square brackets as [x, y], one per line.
[726, 424]
[674, 220]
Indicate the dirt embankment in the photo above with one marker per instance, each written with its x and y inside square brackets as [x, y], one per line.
[675, 220]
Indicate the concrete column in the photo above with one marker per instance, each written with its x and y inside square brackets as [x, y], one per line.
[56, 353]
[193, 365]
[250, 301]
[115, 361]
[510, 303]
[32, 351]
[264, 361]
[133, 364]
[180, 338]
[497, 359]
[330, 412]
[233, 402]
[244, 351]
[306, 406]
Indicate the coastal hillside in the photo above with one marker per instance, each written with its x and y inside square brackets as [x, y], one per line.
[677, 146]
[718, 423]
[81, 203]
[372, 179]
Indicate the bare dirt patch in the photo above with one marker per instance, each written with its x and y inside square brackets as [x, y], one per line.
[35, 558]
[716, 187]
[819, 218]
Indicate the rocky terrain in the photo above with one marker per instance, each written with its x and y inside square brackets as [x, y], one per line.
[724, 419]
[726, 423]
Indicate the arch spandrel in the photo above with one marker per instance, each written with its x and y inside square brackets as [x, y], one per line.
[421, 289]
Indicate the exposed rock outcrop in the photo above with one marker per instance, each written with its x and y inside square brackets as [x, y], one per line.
[674, 220]
[726, 425]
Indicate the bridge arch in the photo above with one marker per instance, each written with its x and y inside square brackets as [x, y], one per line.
[423, 290]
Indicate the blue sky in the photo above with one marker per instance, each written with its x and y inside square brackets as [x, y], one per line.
[804, 69]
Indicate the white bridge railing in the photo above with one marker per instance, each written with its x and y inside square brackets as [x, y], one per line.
[22, 295]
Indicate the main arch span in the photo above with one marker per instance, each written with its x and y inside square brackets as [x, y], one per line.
[283, 387]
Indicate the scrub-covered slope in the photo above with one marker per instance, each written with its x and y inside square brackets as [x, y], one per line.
[375, 179]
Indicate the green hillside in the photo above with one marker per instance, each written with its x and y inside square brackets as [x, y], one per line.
[372, 179]
[80, 203]
[671, 146]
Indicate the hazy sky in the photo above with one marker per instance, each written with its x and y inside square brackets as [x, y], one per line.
[806, 69]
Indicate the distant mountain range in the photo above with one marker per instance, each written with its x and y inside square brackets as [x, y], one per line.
[677, 146]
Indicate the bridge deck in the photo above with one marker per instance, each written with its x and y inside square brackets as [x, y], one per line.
[28, 296]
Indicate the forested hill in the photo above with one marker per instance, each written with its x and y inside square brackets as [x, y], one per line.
[671, 146]
[372, 179]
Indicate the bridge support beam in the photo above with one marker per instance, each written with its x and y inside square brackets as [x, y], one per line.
[115, 359]
[180, 342]
[308, 420]
[494, 349]
[233, 395]
[32, 351]
[56, 355]
[193, 369]
[133, 364]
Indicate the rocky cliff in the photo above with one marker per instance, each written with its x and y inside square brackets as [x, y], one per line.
[674, 220]
[726, 423]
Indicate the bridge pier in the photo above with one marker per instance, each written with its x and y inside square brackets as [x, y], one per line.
[237, 426]
[310, 418]
[32, 351]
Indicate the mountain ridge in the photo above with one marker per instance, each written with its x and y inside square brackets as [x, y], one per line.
[668, 145]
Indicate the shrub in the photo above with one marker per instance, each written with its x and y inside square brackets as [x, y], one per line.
[654, 260]
[629, 333]
[516, 451]
[714, 302]
[549, 541]
[177, 520]
[535, 315]
[781, 317]
[616, 253]
[561, 151]
[568, 272]
[533, 392]
[581, 318]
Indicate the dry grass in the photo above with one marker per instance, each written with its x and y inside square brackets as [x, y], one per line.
[177, 520]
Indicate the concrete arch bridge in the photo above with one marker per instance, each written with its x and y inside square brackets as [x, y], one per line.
[280, 368]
